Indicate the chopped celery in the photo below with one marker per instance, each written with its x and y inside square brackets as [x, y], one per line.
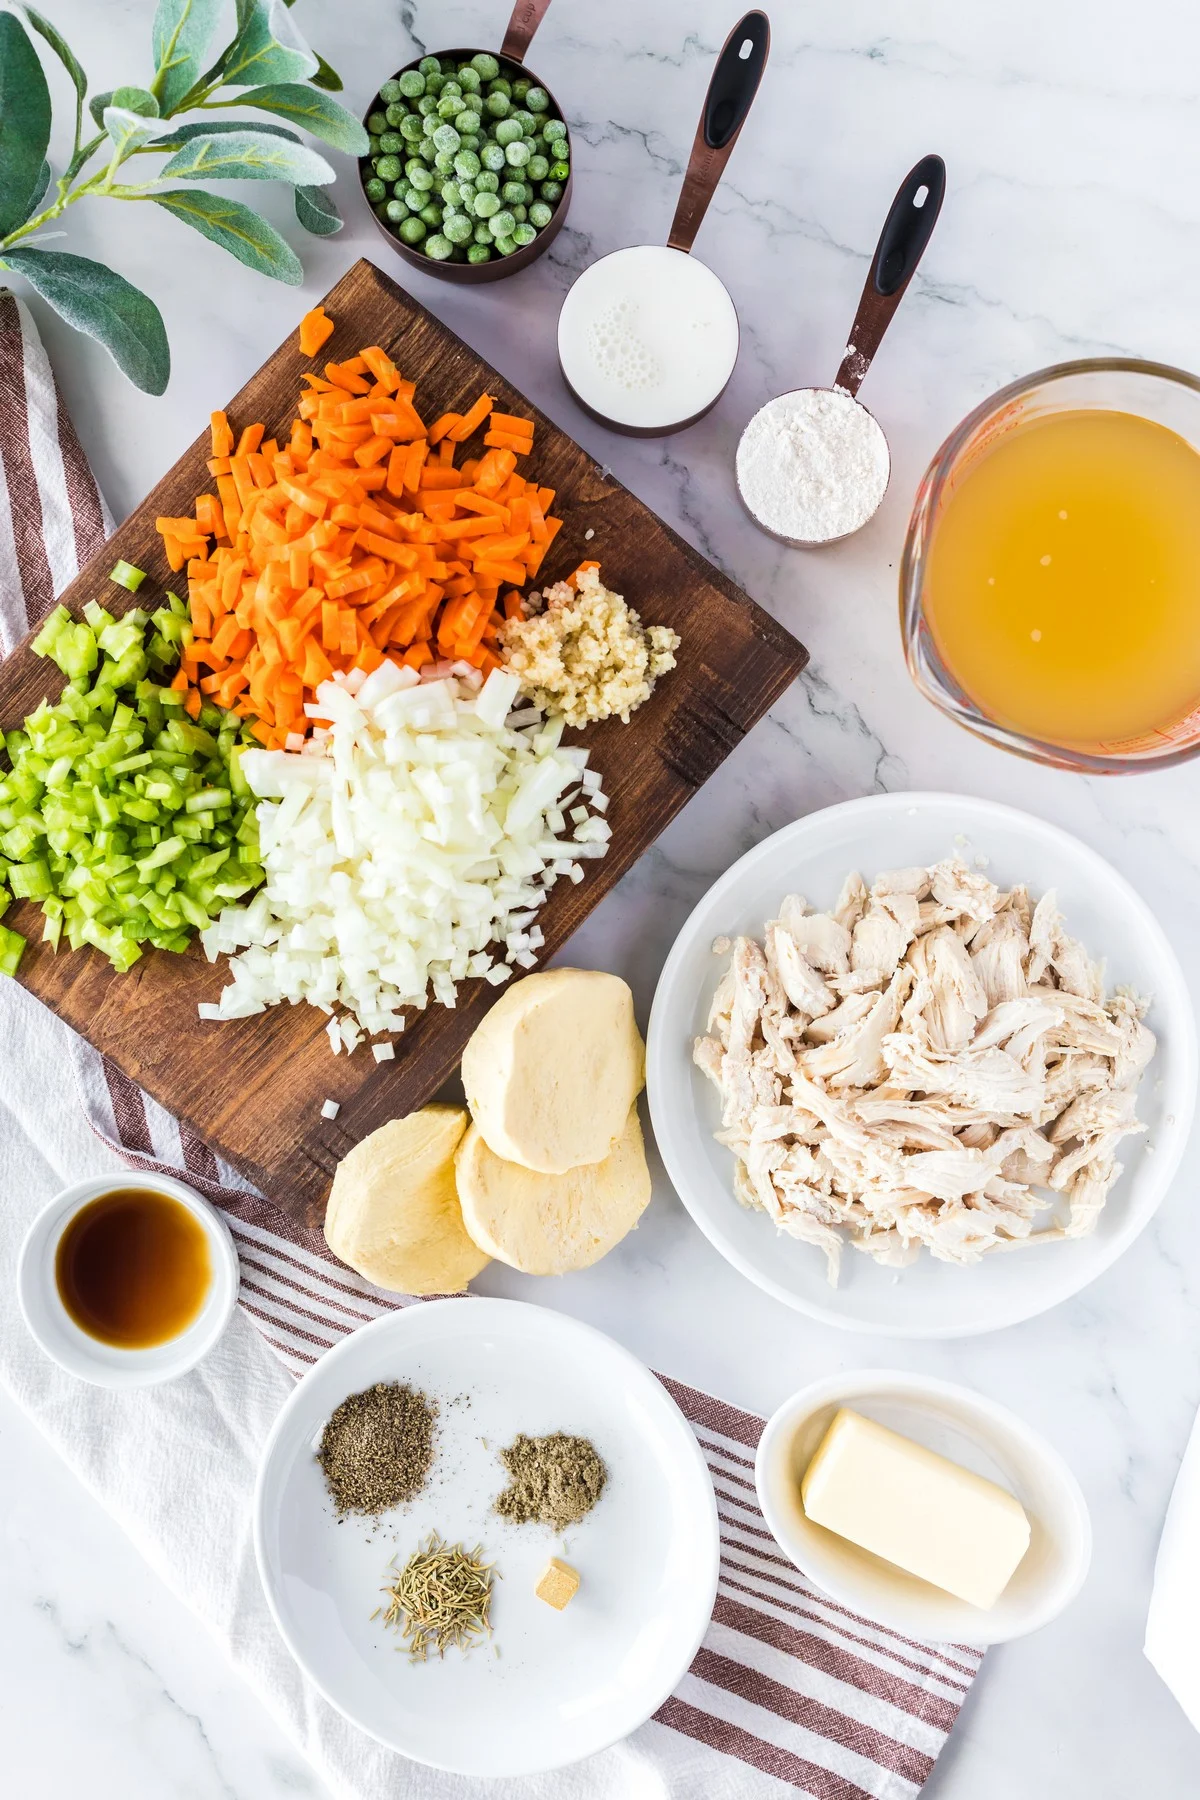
[126, 576]
[125, 820]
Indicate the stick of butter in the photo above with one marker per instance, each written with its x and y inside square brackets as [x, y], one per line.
[915, 1509]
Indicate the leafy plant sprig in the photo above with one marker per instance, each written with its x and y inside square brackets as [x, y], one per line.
[266, 66]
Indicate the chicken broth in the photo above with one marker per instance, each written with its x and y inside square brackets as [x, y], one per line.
[1064, 575]
[133, 1268]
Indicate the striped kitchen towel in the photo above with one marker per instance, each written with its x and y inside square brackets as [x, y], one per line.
[789, 1692]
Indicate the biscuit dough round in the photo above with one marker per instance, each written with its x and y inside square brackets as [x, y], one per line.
[551, 1224]
[393, 1211]
[553, 1069]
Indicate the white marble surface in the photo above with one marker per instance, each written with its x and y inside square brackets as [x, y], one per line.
[1071, 226]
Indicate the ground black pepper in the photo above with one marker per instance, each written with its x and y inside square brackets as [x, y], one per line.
[556, 1480]
[377, 1447]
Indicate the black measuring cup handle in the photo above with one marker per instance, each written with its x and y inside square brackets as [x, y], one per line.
[730, 95]
[527, 15]
[906, 231]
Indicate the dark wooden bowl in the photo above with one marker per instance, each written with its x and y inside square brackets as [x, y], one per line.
[499, 266]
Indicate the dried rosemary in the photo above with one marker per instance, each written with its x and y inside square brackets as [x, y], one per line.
[377, 1448]
[441, 1599]
[555, 1481]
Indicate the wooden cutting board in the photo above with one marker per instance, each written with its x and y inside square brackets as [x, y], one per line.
[254, 1087]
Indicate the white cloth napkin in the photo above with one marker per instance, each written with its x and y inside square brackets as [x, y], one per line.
[789, 1693]
[1171, 1642]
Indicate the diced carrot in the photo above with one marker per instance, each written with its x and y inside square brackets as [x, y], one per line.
[315, 329]
[508, 440]
[442, 425]
[222, 435]
[250, 439]
[472, 419]
[436, 477]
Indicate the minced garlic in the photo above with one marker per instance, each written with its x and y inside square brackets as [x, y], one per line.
[586, 654]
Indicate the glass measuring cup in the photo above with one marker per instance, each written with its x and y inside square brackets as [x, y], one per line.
[648, 336]
[1153, 391]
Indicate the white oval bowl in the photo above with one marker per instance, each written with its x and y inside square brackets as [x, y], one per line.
[72, 1348]
[928, 1299]
[968, 1428]
[566, 1684]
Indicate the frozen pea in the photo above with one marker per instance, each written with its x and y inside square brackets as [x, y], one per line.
[431, 212]
[551, 190]
[372, 143]
[521, 87]
[472, 140]
[434, 83]
[426, 150]
[412, 128]
[451, 195]
[537, 168]
[391, 91]
[501, 224]
[395, 212]
[429, 65]
[429, 124]
[467, 122]
[439, 247]
[552, 129]
[394, 114]
[449, 66]
[526, 121]
[418, 174]
[540, 214]
[391, 144]
[375, 190]
[516, 155]
[443, 162]
[451, 88]
[388, 168]
[458, 229]
[412, 197]
[411, 231]
[524, 234]
[467, 164]
[482, 234]
[497, 105]
[501, 85]
[507, 131]
[449, 106]
[506, 245]
[427, 105]
[486, 205]
[485, 65]
[520, 214]
[469, 80]
[479, 253]
[513, 193]
[411, 84]
[377, 122]
[446, 139]
[559, 171]
[492, 157]
[487, 182]
[537, 99]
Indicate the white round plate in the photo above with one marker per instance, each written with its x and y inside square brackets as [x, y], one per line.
[929, 1299]
[564, 1684]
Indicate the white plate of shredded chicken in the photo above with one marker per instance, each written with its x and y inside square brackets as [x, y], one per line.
[921, 1064]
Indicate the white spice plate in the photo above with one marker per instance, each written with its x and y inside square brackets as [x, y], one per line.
[564, 1684]
[928, 1299]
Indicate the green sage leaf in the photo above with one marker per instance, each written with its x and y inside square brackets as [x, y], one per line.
[129, 99]
[61, 49]
[247, 155]
[325, 77]
[236, 229]
[182, 29]
[316, 212]
[184, 134]
[97, 104]
[39, 191]
[316, 112]
[24, 122]
[126, 129]
[268, 47]
[105, 306]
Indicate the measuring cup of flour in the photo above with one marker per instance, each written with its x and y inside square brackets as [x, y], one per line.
[647, 337]
[813, 464]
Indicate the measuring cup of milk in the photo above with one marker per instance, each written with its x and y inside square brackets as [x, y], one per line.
[647, 337]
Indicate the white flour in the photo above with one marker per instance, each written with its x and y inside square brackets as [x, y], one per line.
[812, 464]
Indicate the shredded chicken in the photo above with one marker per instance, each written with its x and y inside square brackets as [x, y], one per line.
[932, 1062]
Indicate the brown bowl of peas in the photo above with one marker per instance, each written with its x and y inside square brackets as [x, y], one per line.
[468, 175]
